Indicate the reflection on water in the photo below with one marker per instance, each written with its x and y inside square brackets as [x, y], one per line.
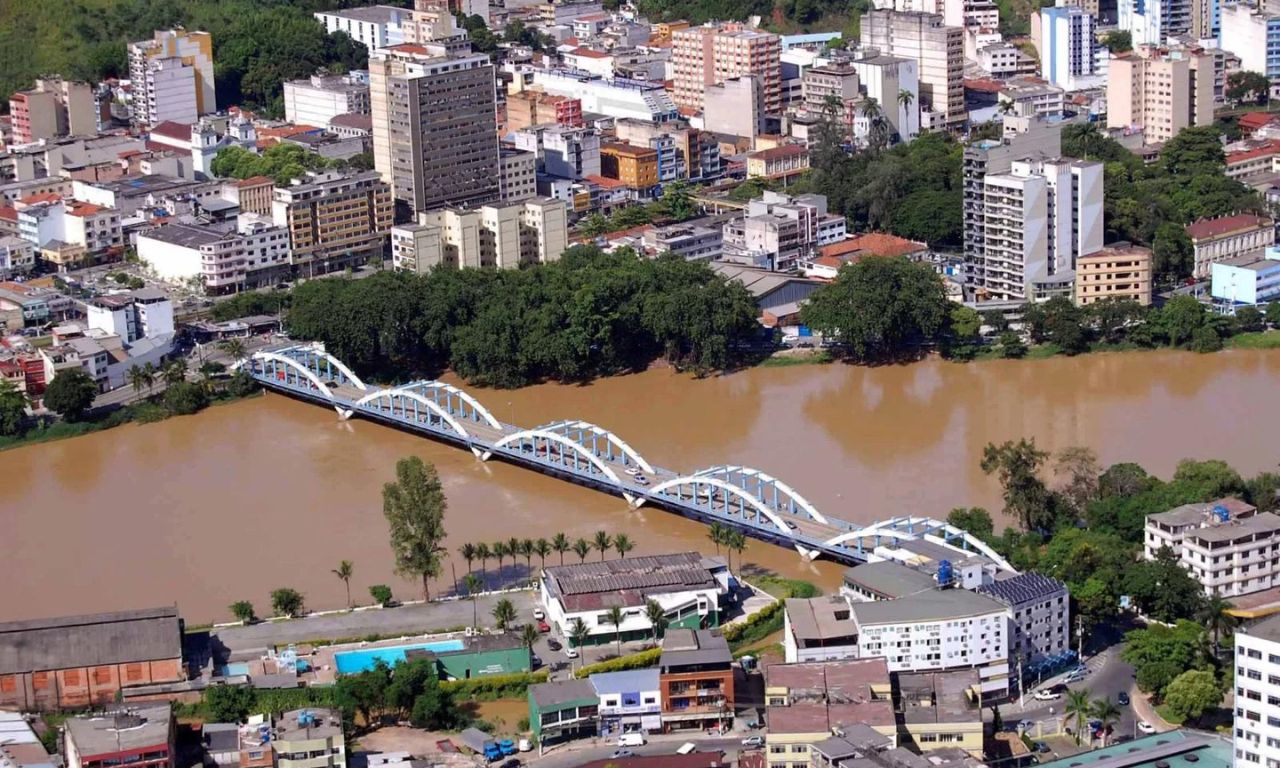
[236, 501]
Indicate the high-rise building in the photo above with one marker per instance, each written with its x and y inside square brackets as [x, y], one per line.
[1160, 91]
[735, 107]
[1252, 32]
[1065, 38]
[374, 26]
[1257, 679]
[321, 98]
[534, 231]
[172, 76]
[714, 53]
[983, 14]
[435, 138]
[938, 50]
[1206, 19]
[1152, 22]
[334, 220]
[430, 21]
[886, 78]
[54, 107]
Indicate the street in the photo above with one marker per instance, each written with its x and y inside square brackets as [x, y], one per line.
[1109, 676]
[577, 753]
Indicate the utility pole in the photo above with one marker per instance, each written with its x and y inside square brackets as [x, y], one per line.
[1022, 687]
[1080, 638]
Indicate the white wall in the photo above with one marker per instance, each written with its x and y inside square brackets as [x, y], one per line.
[171, 262]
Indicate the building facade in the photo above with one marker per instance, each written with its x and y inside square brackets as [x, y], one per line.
[1160, 91]
[533, 231]
[1244, 280]
[334, 220]
[1067, 48]
[1228, 237]
[778, 231]
[140, 736]
[53, 108]
[321, 98]
[1118, 271]
[1041, 611]
[1252, 32]
[1226, 545]
[375, 26]
[938, 50]
[1257, 681]
[254, 254]
[309, 738]
[172, 76]
[695, 675]
[714, 53]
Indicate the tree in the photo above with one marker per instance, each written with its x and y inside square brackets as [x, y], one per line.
[140, 377]
[185, 398]
[1162, 588]
[656, 617]
[974, 520]
[344, 572]
[1248, 87]
[243, 611]
[578, 634]
[473, 585]
[381, 594]
[677, 201]
[880, 308]
[229, 703]
[13, 409]
[1192, 693]
[364, 693]
[70, 394]
[468, 553]
[1077, 469]
[1080, 708]
[499, 550]
[737, 542]
[1194, 150]
[234, 348]
[483, 554]
[716, 532]
[1025, 495]
[622, 544]
[1012, 347]
[1273, 314]
[1214, 615]
[615, 616]
[504, 613]
[409, 679]
[1159, 653]
[581, 548]
[526, 550]
[1107, 713]
[529, 635]
[175, 371]
[1249, 319]
[543, 548]
[560, 543]
[603, 542]
[1118, 41]
[286, 601]
[414, 506]
[1180, 318]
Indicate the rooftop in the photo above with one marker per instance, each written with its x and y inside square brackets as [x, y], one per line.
[758, 282]
[940, 697]
[373, 14]
[585, 586]
[352, 120]
[256, 181]
[688, 647]
[778, 153]
[889, 579]
[128, 730]
[1267, 629]
[1205, 228]
[306, 724]
[885, 244]
[626, 681]
[90, 640]
[562, 692]
[820, 618]
[831, 694]
[935, 605]
[1235, 528]
[1154, 750]
[172, 130]
[692, 760]
[1024, 588]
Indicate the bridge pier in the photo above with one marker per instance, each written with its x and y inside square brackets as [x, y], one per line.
[343, 413]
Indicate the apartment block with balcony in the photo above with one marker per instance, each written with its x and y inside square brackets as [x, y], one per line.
[334, 220]
[1252, 32]
[716, 52]
[172, 75]
[1118, 271]
[1064, 35]
[70, 234]
[309, 738]
[1257, 695]
[696, 679]
[517, 175]
[251, 253]
[533, 231]
[1226, 545]
[779, 231]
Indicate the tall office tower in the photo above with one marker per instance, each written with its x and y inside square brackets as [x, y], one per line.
[1160, 91]
[713, 53]
[1065, 38]
[938, 50]
[172, 76]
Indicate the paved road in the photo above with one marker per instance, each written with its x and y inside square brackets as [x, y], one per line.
[1109, 676]
[581, 752]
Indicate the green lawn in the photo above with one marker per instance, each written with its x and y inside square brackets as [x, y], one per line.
[820, 357]
[1255, 340]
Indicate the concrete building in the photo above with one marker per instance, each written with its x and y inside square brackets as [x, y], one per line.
[1228, 237]
[518, 174]
[712, 53]
[941, 710]
[172, 76]
[937, 49]
[1033, 223]
[70, 234]
[884, 78]
[532, 231]
[374, 26]
[695, 674]
[76, 662]
[531, 107]
[778, 163]
[17, 256]
[141, 736]
[563, 709]
[309, 738]
[1067, 47]
[334, 220]
[570, 153]
[805, 704]
[253, 253]
[1226, 545]
[1244, 280]
[1160, 91]
[688, 586]
[618, 98]
[1118, 271]
[630, 701]
[1153, 22]
[53, 108]
[141, 314]
[321, 98]
[636, 167]
[689, 241]
[1257, 680]
[445, 152]
[778, 231]
[254, 194]
[735, 107]
[19, 744]
[1029, 96]
[1041, 610]
[1252, 32]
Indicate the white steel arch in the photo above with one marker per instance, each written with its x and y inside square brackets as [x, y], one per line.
[716, 482]
[318, 350]
[882, 529]
[414, 396]
[474, 403]
[617, 442]
[299, 367]
[800, 501]
[560, 439]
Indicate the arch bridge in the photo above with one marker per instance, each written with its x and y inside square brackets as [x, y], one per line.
[741, 498]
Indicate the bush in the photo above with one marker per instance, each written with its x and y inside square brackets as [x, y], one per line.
[641, 660]
[287, 602]
[71, 394]
[490, 687]
[757, 626]
[243, 611]
[380, 593]
[185, 398]
[229, 703]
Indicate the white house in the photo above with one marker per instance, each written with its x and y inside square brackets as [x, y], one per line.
[630, 701]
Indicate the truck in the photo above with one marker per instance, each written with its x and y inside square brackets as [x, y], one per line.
[492, 751]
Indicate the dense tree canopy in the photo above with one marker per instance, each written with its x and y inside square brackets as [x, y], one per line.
[587, 315]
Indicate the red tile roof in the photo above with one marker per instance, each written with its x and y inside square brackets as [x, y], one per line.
[1255, 120]
[1270, 148]
[255, 181]
[588, 53]
[884, 244]
[180, 131]
[1206, 228]
[8, 213]
[43, 197]
[77, 208]
[606, 182]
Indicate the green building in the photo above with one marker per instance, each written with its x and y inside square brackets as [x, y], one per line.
[563, 710]
[1174, 749]
[481, 655]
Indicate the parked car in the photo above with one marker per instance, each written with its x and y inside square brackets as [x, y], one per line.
[571, 653]
[1045, 694]
[753, 741]
[544, 627]
[1123, 699]
[553, 644]
[539, 614]
[1146, 727]
[1041, 747]
[508, 747]
[687, 748]
[618, 753]
[1026, 725]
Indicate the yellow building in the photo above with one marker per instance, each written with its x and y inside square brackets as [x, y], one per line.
[777, 162]
[533, 231]
[636, 167]
[309, 738]
[335, 220]
[1119, 271]
[940, 709]
[806, 704]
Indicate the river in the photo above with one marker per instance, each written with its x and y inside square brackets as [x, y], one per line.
[230, 503]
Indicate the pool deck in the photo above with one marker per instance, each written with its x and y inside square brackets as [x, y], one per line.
[325, 666]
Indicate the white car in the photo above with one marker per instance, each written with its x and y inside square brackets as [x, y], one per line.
[1146, 727]
[539, 614]
[571, 653]
[1046, 695]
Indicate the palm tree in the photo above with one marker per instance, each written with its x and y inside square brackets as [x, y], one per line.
[483, 554]
[175, 372]
[344, 571]
[151, 371]
[529, 636]
[578, 634]
[905, 98]
[560, 543]
[603, 542]
[468, 552]
[581, 548]
[542, 548]
[473, 585]
[656, 616]
[1079, 707]
[737, 542]
[716, 534]
[499, 550]
[504, 613]
[140, 377]
[234, 348]
[1108, 713]
[526, 549]
[513, 550]
[1213, 615]
[623, 544]
[615, 616]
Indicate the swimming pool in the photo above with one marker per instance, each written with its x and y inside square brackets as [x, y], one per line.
[351, 662]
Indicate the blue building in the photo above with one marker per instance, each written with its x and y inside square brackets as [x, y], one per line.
[1247, 280]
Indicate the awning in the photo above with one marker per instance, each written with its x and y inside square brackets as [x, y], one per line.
[651, 722]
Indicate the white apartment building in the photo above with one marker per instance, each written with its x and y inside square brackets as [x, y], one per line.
[533, 231]
[375, 26]
[1065, 38]
[618, 98]
[1152, 22]
[570, 153]
[141, 314]
[1160, 91]
[321, 98]
[172, 76]
[17, 256]
[1252, 32]
[1226, 545]
[938, 50]
[884, 78]
[1257, 680]
[69, 233]
[253, 254]
[778, 231]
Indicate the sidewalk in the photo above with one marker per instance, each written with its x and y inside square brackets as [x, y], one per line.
[1145, 711]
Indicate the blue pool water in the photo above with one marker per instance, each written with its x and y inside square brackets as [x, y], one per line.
[351, 662]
